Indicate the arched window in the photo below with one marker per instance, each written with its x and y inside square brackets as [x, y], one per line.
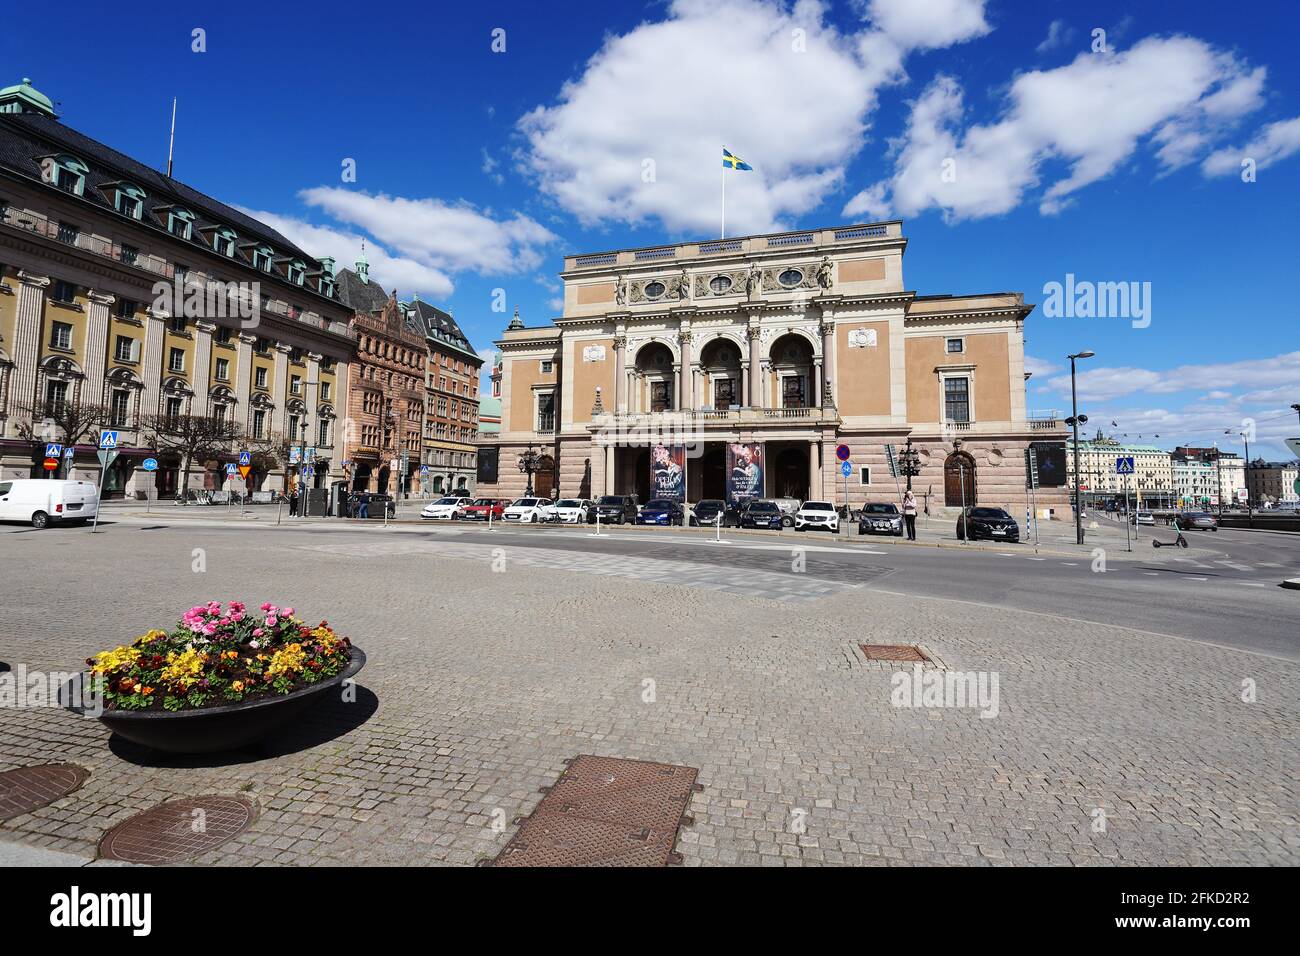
[180, 222]
[262, 258]
[223, 241]
[296, 272]
[129, 200]
[65, 172]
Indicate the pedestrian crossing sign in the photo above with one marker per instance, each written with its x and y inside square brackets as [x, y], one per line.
[107, 439]
[1124, 466]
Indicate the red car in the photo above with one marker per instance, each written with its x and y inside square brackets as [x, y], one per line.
[480, 508]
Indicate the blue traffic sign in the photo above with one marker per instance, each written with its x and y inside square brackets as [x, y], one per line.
[149, 464]
[1124, 466]
[53, 449]
[846, 468]
[308, 471]
[231, 470]
[107, 439]
[69, 452]
[295, 454]
[842, 452]
[245, 458]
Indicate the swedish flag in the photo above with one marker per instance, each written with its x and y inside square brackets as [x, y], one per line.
[732, 161]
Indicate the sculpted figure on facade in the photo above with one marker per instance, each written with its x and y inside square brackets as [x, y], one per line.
[825, 273]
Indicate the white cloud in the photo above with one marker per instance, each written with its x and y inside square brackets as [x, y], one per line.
[345, 247]
[1091, 115]
[1040, 366]
[1058, 34]
[489, 167]
[1273, 143]
[1109, 383]
[455, 237]
[795, 105]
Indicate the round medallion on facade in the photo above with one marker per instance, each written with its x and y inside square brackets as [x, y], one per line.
[996, 456]
[790, 278]
[720, 284]
[653, 290]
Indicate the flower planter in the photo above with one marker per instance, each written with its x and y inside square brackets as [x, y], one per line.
[212, 729]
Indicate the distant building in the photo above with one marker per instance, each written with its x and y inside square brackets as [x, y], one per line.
[1273, 482]
[452, 402]
[1152, 481]
[1229, 482]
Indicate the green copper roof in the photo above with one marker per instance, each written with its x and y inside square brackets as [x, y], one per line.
[25, 98]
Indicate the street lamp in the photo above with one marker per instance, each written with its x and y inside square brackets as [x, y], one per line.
[528, 462]
[1074, 421]
[910, 460]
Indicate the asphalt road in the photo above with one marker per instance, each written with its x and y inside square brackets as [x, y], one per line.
[1223, 590]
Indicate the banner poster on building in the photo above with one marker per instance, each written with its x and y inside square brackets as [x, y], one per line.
[1051, 463]
[487, 464]
[668, 471]
[744, 472]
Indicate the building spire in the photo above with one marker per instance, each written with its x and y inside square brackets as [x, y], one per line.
[516, 322]
[363, 267]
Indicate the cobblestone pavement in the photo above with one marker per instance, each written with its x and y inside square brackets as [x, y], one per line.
[1109, 745]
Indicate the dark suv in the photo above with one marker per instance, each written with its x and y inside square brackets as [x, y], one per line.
[761, 514]
[618, 509]
[992, 523]
[706, 512]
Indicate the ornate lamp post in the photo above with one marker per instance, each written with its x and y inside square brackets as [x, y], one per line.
[910, 462]
[528, 462]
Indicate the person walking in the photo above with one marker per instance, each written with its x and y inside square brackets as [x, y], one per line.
[363, 506]
[293, 499]
[909, 514]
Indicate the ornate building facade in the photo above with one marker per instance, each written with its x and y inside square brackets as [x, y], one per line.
[125, 289]
[792, 344]
[452, 402]
[385, 388]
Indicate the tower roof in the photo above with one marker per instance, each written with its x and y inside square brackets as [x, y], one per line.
[25, 98]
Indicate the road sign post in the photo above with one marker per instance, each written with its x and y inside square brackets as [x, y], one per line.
[1033, 490]
[107, 453]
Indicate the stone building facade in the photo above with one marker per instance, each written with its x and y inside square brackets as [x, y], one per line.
[385, 387]
[452, 403]
[125, 288]
[796, 342]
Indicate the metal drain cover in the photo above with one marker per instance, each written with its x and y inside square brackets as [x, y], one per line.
[30, 788]
[178, 830]
[893, 652]
[605, 811]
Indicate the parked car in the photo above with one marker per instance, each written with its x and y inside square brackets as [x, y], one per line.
[480, 508]
[572, 510]
[376, 504]
[529, 510]
[761, 513]
[817, 516]
[660, 511]
[616, 509]
[45, 501]
[788, 507]
[991, 523]
[1198, 521]
[447, 509]
[1142, 517]
[706, 512]
[880, 518]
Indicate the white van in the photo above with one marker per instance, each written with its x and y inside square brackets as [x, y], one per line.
[43, 500]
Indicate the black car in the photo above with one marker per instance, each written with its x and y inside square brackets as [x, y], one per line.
[375, 504]
[706, 512]
[880, 519]
[991, 523]
[761, 514]
[661, 511]
[614, 509]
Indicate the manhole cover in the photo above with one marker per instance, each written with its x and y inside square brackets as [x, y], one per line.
[30, 788]
[893, 652]
[605, 811]
[178, 830]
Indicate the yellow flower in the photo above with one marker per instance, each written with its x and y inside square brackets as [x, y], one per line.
[237, 686]
[108, 661]
[287, 660]
[184, 668]
[149, 637]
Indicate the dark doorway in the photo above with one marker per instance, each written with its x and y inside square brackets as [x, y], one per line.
[383, 480]
[791, 473]
[544, 477]
[713, 472]
[361, 477]
[959, 480]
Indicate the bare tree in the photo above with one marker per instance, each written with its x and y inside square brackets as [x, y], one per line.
[191, 438]
[69, 422]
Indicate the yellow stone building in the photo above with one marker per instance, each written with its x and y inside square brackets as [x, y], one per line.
[794, 342]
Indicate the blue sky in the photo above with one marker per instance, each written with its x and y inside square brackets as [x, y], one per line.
[1018, 145]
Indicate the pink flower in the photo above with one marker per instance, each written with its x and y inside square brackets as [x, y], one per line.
[271, 620]
[288, 612]
[267, 606]
[257, 632]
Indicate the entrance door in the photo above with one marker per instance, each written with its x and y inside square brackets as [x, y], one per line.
[792, 473]
[713, 472]
[544, 477]
[959, 468]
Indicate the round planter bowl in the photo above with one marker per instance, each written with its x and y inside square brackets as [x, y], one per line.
[213, 729]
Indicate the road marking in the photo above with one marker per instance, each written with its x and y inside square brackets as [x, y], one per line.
[1070, 564]
[1152, 574]
[1037, 559]
[1198, 579]
[1252, 584]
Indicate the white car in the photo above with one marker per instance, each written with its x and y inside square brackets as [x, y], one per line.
[45, 501]
[572, 510]
[817, 515]
[1142, 517]
[530, 511]
[445, 509]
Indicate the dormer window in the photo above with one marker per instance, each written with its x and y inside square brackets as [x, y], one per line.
[180, 222]
[223, 242]
[262, 258]
[65, 172]
[296, 272]
[129, 200]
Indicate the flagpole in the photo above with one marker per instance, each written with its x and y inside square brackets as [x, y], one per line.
[723, 235]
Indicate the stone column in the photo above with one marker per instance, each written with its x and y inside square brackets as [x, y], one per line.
[153, 359]
[620, 373]
[828, 353]
[280, 390]
[744, 384]
[27, 341]
[96, 350]
[814, 470]
[686, 383]
[609, 470]
[817, 385]
[244, 378]
[202, 366]
[756, 397]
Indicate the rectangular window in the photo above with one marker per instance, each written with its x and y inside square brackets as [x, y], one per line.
[956, 399]
[864, 475]
[123, 349]
[724, 393]
[262, 346]
[224, 335]
[259, 423]
[547, 367]
[68, 233]
[68, 181]
[546, 412]
[129, 254]
[178, 323]
[293, 427]
[660, 396]
[295, 384]
[125, 308]
[61, 336]
[173, 408]
[64, 291]
[128, 205]
[56, 394]
[259, 377]
[119, 408]
[176, 360]
[792, 392]
[324, 391]
[223, 370]
[219, 411]
[323, 433]
[955, 346]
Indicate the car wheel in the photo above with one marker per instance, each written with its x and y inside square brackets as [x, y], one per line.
[40, 520]
[787, 522]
